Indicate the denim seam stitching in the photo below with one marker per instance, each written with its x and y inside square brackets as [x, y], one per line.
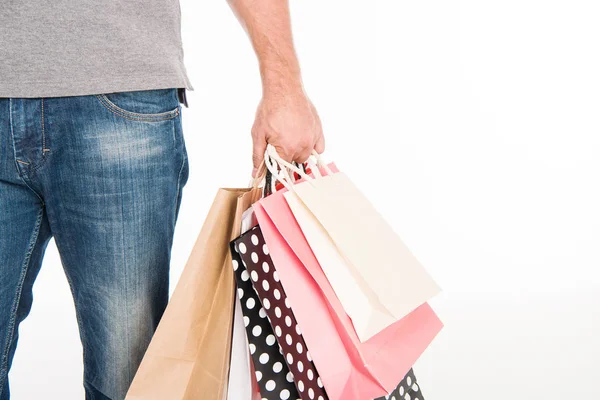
[174, 135]
[12, 136]
[179, 186]
[129, 378]
[136, 116]
[11, 324]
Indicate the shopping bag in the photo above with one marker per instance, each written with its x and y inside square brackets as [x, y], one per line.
[241, 373]
[364, 259]
[254, 254]
[406, 389]
[349, 369]
[189, 355]
[255, 257]
[274, 379]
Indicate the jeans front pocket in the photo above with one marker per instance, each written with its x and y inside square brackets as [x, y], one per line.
[144, 105]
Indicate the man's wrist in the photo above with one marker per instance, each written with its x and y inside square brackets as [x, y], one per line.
[281, 80]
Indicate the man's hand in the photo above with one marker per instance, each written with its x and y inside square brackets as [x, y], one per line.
[285, 117]
[290, 123]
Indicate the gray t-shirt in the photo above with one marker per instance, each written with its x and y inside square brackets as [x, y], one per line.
[51, 48]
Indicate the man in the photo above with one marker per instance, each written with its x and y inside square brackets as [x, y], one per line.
[92, 153]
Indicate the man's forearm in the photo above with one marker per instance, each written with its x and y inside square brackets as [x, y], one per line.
[268, 25]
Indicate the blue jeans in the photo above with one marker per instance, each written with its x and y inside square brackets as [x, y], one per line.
[103, 175]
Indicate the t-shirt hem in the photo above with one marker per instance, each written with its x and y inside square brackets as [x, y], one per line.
[36, 89]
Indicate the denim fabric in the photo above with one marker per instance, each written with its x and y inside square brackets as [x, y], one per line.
[103, 175]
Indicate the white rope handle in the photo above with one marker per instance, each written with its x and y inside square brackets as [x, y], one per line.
[321, 163]
[273, 155]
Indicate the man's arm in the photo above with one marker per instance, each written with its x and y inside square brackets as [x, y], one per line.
[285, 117]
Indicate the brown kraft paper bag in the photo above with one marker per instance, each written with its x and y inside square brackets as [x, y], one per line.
[188, 357]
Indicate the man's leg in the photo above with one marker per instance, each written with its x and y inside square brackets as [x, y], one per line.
[114, 181]
[24, 230]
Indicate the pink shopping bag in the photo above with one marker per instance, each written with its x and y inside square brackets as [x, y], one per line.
[349, 369]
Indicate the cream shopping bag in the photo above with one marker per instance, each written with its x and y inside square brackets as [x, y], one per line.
[375, 276]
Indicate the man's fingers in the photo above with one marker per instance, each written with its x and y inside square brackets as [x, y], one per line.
[303, 155]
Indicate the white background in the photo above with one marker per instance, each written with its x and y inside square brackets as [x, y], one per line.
[472, 125]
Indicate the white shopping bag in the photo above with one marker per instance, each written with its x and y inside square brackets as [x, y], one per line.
[375, 276]
[240, 369]
[242, 383]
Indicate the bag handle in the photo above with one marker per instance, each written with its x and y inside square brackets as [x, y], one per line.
[316, 162]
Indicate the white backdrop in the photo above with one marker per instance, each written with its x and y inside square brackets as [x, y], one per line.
[473, 126]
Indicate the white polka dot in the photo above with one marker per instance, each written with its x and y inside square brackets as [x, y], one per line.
[278, 331]
[252, 347]
[277, 294]
[258, 376]
[415, 387]
[311, 393]
[265, 267]
[393, 398]
[254, 258]
[401, 391]
[277, 367]
[301, 386]
[246, 321]
[288, 321]
[250, 303]
[284, 395]
[240, 292]
[278, 312]
[308, 356]
[299, 348]
[264, 358]
[320, 382]
[309, 373]
[262, 313]
[235, 265]
[254, 275]
[256, 331]
[270, 385]
[266, 304]
[290, 377]
[242, 248]
[265, 285]
[288, 339]
[254, 240]
[300, 366]
[408, 380]
[270, 340]
[275, 276]
[321, 398]
[407, 396]
[245, 275]
[287, 303]
[265, 249]
[298, 330]
[290, 359]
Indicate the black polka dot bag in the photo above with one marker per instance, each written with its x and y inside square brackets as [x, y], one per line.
[275, 380]
[408, 389]
[254, 255]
